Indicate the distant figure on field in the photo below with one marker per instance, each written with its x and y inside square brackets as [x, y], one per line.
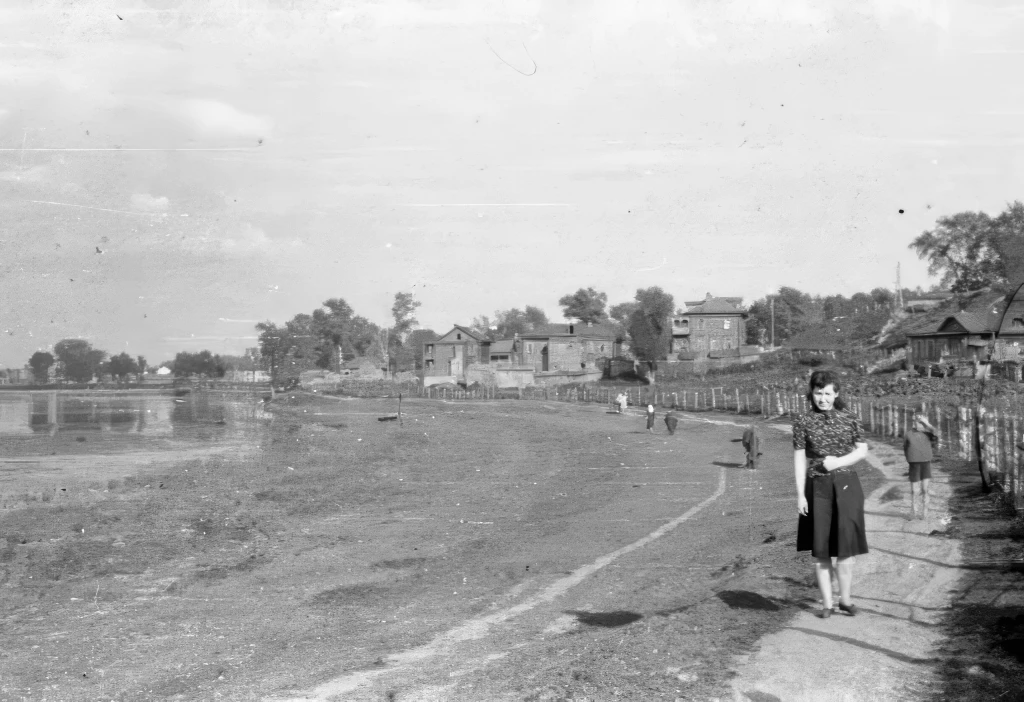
[752, 445]
[917, 447]
[650, 418]
[621, 401]
[671, 421]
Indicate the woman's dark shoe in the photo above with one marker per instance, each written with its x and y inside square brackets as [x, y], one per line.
[826, 612]
[849, 609]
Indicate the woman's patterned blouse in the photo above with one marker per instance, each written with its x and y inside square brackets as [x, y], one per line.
[821, 434]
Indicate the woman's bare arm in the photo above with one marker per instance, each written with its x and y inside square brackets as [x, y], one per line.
[858, 454]
[800, 475]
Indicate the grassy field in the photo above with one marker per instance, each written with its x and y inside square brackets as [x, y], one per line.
[342, 540]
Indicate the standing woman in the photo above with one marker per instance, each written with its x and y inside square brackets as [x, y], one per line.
[827, 442]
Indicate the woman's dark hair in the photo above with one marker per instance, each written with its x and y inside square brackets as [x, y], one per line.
[821, 379]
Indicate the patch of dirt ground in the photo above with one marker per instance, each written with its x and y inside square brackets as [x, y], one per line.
[342, 547]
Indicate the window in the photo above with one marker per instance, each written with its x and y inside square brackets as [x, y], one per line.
[602, 348]
[529, 348]
[728, 342]
[725, 324]
[453, 352]
[700, 323]
[430, 349]
[1018, 323]
[459, 337]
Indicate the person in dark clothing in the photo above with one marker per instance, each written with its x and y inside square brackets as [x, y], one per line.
[671, 421]
[650, 418]
[917, 447]
[827, 443]
[752, 445]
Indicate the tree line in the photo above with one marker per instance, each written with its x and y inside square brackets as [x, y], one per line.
[76, 360]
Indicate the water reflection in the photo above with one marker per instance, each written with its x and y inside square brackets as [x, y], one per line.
[198, 415]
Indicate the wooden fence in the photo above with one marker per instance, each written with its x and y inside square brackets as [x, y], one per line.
[1000, 422]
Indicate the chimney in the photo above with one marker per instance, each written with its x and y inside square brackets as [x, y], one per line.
[708, 296]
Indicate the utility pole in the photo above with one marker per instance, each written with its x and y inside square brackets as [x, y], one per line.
[773, 320]
[899, 290]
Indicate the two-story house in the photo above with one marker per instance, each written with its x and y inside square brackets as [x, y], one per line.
[709, 325]
[448, 357]
[566, 347]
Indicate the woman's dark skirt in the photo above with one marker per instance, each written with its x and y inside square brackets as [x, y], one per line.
[834, 524]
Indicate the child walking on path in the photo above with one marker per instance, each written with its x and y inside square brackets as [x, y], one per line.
[917, 447]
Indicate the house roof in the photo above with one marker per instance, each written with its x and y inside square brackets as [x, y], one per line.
[984, 308]
[981, 315]
[715, 305]
[543, 331]
[503, 346]
[472, 332]
[1014, 310]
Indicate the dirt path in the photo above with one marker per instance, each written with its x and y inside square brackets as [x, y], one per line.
[903, 588]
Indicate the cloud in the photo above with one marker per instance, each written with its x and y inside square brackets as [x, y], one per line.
[149, 203]
[214, 118]
[247, 238]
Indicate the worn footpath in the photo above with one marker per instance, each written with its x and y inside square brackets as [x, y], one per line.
[902, 588]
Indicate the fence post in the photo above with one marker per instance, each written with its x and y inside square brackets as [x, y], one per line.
[1015, 463]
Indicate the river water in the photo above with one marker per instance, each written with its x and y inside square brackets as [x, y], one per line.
[90, 435]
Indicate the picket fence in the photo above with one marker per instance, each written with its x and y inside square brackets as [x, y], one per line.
[1000, 424]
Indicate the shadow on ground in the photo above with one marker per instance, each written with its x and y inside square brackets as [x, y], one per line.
[983, 658]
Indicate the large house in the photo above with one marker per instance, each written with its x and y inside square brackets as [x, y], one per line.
[569, 347]
[574, 352]
[710, 325]
[449, 356]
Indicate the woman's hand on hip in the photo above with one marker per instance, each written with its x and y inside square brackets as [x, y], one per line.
[831, 463]
[801, 505]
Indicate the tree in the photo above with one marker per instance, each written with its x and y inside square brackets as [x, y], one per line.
[535, 317]
[883, 298]
[961, 248]
[140, 361]
[202, 363]
[482, 324]
[404, 314]
[622, 312]
[40, 364]
[586, 305]
[78, 360]
[650, 326]
[1008, 241]
[332, 327]
[121, 365]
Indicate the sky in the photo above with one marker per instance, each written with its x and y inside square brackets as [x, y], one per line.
[173, 171]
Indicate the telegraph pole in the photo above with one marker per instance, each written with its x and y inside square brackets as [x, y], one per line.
[773, 320]
[899, 290]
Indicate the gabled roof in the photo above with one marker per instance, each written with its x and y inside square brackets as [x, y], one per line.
[503, 346]
[971, 322]
[472, 333]
[1014, 310]
[983, 309]
[715, 305]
